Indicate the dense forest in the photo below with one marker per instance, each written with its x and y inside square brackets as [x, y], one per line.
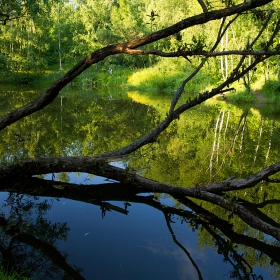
[40, 35]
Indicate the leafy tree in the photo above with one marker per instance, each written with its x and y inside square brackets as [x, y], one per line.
[14, 9]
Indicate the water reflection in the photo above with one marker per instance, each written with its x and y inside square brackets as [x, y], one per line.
[28, 239]
[64, 226]
[57, 229]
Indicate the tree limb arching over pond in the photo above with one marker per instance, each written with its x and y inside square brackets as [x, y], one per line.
[100, 165]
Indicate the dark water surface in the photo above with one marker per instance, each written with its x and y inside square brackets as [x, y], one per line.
[79, 226]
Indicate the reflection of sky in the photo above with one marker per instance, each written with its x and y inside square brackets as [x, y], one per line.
[137, 246]
[85, 178]
[81, 178]
[134, 246]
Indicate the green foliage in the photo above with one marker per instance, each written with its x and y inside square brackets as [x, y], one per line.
[99, 77]
[73, 29]
[11, 275]
[3, 62]
[21, 70]
[241, 97]
[125, 19]
[166, 76]
[271, 89]
[11, 9]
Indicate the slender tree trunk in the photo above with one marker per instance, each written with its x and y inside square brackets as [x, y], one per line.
[226, 56]
[219, 134]
[267, 61]
[28, 42]
[259, 140]
[228, 117]
[20, 39]
[278, 74]
[243, 133]
[214, 148]
[270, 141]
[221, 58]
[11, 37]
[59, 39]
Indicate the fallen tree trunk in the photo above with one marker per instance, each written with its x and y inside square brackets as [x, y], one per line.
[213, 193]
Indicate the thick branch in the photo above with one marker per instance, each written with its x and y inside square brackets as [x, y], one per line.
[195, 20]
[202, 53]
[100, 167]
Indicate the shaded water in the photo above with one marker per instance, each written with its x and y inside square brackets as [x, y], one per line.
[87, 227]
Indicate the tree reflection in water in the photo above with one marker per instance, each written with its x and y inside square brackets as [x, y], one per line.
[28, 240]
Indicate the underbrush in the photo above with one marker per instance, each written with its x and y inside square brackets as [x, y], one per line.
[166, 76]
[20, 77]
[244, 96]
[19, 70]
[91, 78]
[271, 90]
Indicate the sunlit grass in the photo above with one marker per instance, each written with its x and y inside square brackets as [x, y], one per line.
[271, 90]
[160, 79]
[166, 76]
[244, 96]
[160, 104]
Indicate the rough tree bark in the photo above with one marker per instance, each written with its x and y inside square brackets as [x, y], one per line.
[99, 165]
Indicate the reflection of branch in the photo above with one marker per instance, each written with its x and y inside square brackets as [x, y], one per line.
[228, 252]
[212, 221]
[181, 246]
[105, 206]
[108, 207]
[224, 227]
[52, 253]
[140, 184]
[232, 142]
[94, 194]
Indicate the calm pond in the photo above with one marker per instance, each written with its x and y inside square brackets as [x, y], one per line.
[80, 226]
